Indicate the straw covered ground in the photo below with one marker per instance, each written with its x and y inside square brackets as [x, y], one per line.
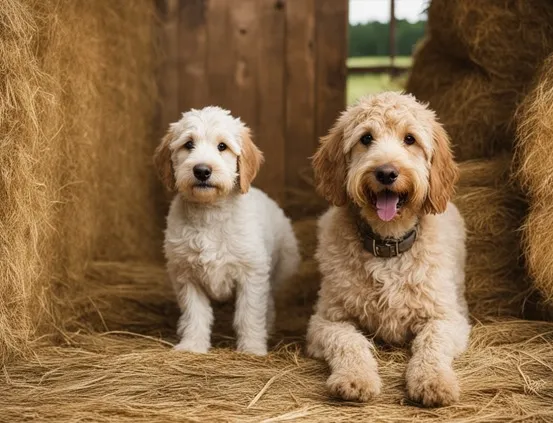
[505, 376]
[87, 318]
[113, 362]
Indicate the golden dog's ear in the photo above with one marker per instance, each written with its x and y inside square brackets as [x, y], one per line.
[329, 166]
[444, 173]
[249, 161]
[163, 163]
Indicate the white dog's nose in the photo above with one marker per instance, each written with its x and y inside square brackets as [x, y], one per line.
[202, 172]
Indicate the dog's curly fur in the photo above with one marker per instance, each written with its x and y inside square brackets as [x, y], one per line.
[221, 235]
[416, 297]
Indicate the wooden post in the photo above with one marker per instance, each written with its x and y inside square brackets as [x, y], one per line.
[392, 37]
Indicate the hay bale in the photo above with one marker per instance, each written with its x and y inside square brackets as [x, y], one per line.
[475, 109]
[534, 167]
[77, 106]
[493, 210]
[507, 39]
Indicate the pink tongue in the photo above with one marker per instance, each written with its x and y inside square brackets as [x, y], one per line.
[386, 205]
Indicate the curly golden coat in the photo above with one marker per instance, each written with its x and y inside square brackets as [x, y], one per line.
[416, 297]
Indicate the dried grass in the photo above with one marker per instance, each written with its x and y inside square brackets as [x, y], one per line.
[507, 39]
[505, 376]
[476, 110]
[534, 164]
[77, 109]
[102, 372]
[493, 210]
[476, 66]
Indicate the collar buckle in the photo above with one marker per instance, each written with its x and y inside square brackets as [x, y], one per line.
[389, 248]
[392, 249]
[395, 251]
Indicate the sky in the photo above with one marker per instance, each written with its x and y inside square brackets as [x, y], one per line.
[379, 10]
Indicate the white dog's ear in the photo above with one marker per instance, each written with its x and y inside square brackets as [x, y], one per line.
[329, 166]
[163, 163]
[249, 161]
[444, 173]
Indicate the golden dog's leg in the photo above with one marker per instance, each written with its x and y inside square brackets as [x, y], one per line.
[354, 371]
[430, 377]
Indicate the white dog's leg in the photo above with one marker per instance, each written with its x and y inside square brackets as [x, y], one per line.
[250, 318]
[354, 371]
[194, 326]
[271, 314]
[430, 376]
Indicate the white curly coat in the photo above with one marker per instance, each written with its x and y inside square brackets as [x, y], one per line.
[234, 240]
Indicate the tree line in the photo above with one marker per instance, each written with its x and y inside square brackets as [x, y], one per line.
[373, 38]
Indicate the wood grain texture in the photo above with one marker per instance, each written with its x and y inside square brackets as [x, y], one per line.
[169, 72]
[243, 40]
[220, 54]
[300, 136]
[191, 51]
[331, 40]
[271, 96]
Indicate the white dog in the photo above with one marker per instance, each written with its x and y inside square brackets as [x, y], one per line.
[221, 235]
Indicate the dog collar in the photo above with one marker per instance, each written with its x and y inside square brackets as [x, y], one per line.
[386, 247]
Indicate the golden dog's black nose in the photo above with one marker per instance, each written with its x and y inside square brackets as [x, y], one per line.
[202, 172]
[386, 174]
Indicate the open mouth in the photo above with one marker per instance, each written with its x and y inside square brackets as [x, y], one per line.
[387, 203]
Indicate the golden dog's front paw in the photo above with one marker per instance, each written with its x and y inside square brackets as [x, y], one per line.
[353, 386]
[432, 387]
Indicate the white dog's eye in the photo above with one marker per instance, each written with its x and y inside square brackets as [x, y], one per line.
[189, 145]
[409, 139]
[366, 139]
[222, 146]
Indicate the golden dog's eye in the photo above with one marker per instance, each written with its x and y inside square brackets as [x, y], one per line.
[222, 146]
[189, 145]
[366, 139]
[409, 139]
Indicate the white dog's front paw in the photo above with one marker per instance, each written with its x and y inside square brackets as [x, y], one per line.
[432, 387]
[191, 346]
[354, 386]
[256, 349]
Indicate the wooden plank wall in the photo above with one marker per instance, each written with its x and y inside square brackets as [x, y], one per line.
[278, 64]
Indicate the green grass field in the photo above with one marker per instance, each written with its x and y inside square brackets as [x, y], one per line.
[359, 85]
[378, 61]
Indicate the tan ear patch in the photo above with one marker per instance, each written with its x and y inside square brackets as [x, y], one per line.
[329, 166]
[444, 173]
[249, 161]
